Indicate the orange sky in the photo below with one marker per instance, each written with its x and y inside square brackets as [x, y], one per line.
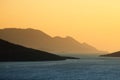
[96, 22]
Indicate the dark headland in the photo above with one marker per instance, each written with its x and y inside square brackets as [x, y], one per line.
[13, 52]
[115, 54]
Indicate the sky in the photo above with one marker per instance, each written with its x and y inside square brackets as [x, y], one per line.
[96, 22]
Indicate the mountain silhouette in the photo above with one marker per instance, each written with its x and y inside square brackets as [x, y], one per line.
[115, 54]
[37, 39]
[13, 52]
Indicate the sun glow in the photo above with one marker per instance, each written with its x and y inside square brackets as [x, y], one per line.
[93, 21]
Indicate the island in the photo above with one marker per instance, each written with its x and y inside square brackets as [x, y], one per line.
[114, 54]
[13, 52]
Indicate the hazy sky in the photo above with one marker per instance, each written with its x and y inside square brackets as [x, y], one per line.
[96, 22]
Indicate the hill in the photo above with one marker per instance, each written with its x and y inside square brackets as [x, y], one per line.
[13, 52]
[37, 39]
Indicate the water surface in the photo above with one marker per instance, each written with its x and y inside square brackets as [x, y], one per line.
[82, 69]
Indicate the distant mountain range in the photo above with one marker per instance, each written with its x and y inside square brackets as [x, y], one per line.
[37, 39]
[13, 52]
[115, 54]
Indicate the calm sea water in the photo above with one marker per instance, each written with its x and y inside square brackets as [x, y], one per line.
[83, 69]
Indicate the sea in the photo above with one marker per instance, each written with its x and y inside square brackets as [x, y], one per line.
[85, 68]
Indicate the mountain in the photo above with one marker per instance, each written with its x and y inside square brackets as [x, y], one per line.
[13, 52]
[37, 39]
[115, 54]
